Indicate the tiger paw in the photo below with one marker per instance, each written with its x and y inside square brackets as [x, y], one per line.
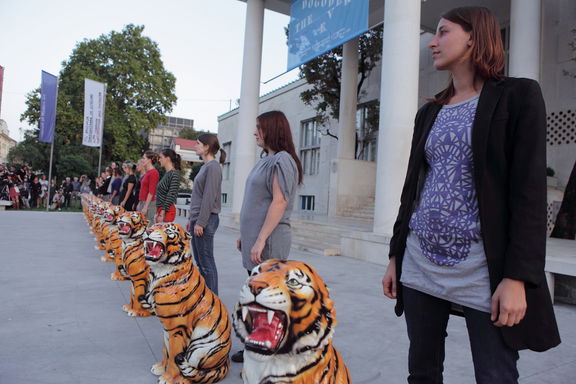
[136, 313]
[106, 258]
[178, 379]
[117, 276]
[158, 369]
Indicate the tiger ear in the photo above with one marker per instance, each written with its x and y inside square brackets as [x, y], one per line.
[187, 236]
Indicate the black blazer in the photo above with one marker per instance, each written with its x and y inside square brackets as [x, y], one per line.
[509, 154]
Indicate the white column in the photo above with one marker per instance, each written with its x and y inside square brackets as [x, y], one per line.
[398, 106]
[244, 146]
[525, 38]
[348, 100]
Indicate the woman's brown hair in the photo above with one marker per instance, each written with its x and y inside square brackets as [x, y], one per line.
[211, 140]
[277, 135]
[487, 50]
[174, 158]
[153, 156]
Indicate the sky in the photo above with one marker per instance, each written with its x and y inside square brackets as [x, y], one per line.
[201, 43]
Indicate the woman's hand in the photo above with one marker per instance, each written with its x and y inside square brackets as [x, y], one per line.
[198, 231]
[238, 245]
[389, 279]
[160, 217]
[508, 303]
[256, 252]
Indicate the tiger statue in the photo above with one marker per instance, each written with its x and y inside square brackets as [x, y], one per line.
[113, 241]
[197, 329]
[131, 226]
[99, 223]
[286, 320]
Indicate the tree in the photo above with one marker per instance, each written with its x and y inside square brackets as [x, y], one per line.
[190, 133]
[140, 92]
[325, 71]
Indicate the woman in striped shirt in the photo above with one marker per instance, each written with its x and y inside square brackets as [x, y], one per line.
[167, 189]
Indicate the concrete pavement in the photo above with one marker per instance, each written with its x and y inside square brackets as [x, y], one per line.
[61, 319]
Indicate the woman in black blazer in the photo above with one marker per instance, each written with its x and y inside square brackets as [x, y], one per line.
[471, 229]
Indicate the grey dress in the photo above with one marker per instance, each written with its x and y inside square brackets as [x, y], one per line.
[257, 200]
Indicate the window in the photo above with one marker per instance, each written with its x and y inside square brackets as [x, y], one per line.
[367, 117]
[227, 147]
[310, 147]
[307, 202]
[224, 198]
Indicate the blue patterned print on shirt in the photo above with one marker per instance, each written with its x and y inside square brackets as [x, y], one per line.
[446, 219]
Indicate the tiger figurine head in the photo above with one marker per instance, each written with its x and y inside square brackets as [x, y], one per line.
[286, 320]
[165, 245]
[197, 328]
[131, 226]
[112, 213]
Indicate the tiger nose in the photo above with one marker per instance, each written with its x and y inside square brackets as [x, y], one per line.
[257, 286]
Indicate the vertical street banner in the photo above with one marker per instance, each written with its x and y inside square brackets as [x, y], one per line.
[48, 97]
[317, 26]
[94, 99]
[1, 83]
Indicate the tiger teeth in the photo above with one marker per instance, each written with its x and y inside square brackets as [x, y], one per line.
[244, 313]
[270, 316]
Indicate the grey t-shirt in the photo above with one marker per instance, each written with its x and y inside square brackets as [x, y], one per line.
[257, 200]
[206, 192]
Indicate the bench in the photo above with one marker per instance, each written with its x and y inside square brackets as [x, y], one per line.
[4, 204]
[560, 259]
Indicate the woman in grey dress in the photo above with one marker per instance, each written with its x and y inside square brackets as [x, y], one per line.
[269, 196]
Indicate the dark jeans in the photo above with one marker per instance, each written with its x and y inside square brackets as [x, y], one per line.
[203, 248]
[427, 319]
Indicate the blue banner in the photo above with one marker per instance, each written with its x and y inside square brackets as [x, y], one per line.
[317, 26]
[48, 97]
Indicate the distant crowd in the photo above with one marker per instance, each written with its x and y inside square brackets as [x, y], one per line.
[136, 186]
[26, 189]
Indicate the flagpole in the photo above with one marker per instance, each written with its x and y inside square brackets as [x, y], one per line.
[50, 175]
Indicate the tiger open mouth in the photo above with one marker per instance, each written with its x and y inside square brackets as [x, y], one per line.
[265, 327]
[123, 229]
[153, 250]
[109, 218]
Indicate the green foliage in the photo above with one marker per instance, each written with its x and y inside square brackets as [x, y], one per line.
[190, 133]
[324, 74]
[139, 93]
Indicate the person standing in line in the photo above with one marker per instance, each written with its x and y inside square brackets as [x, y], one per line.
[116, 185]
[106, 177]
[127, 196]
[265, 231]
[471, 229]
[205, 206]
[148, 184]
[139, 175]
[167, 190]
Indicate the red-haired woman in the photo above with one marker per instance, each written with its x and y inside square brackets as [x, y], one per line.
[265, 231]
[471, 230]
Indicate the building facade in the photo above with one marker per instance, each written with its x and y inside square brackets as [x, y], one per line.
[161, 136]
[6, 142]
[537, 35]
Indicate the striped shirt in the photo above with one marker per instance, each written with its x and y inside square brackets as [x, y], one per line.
[167, 189]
